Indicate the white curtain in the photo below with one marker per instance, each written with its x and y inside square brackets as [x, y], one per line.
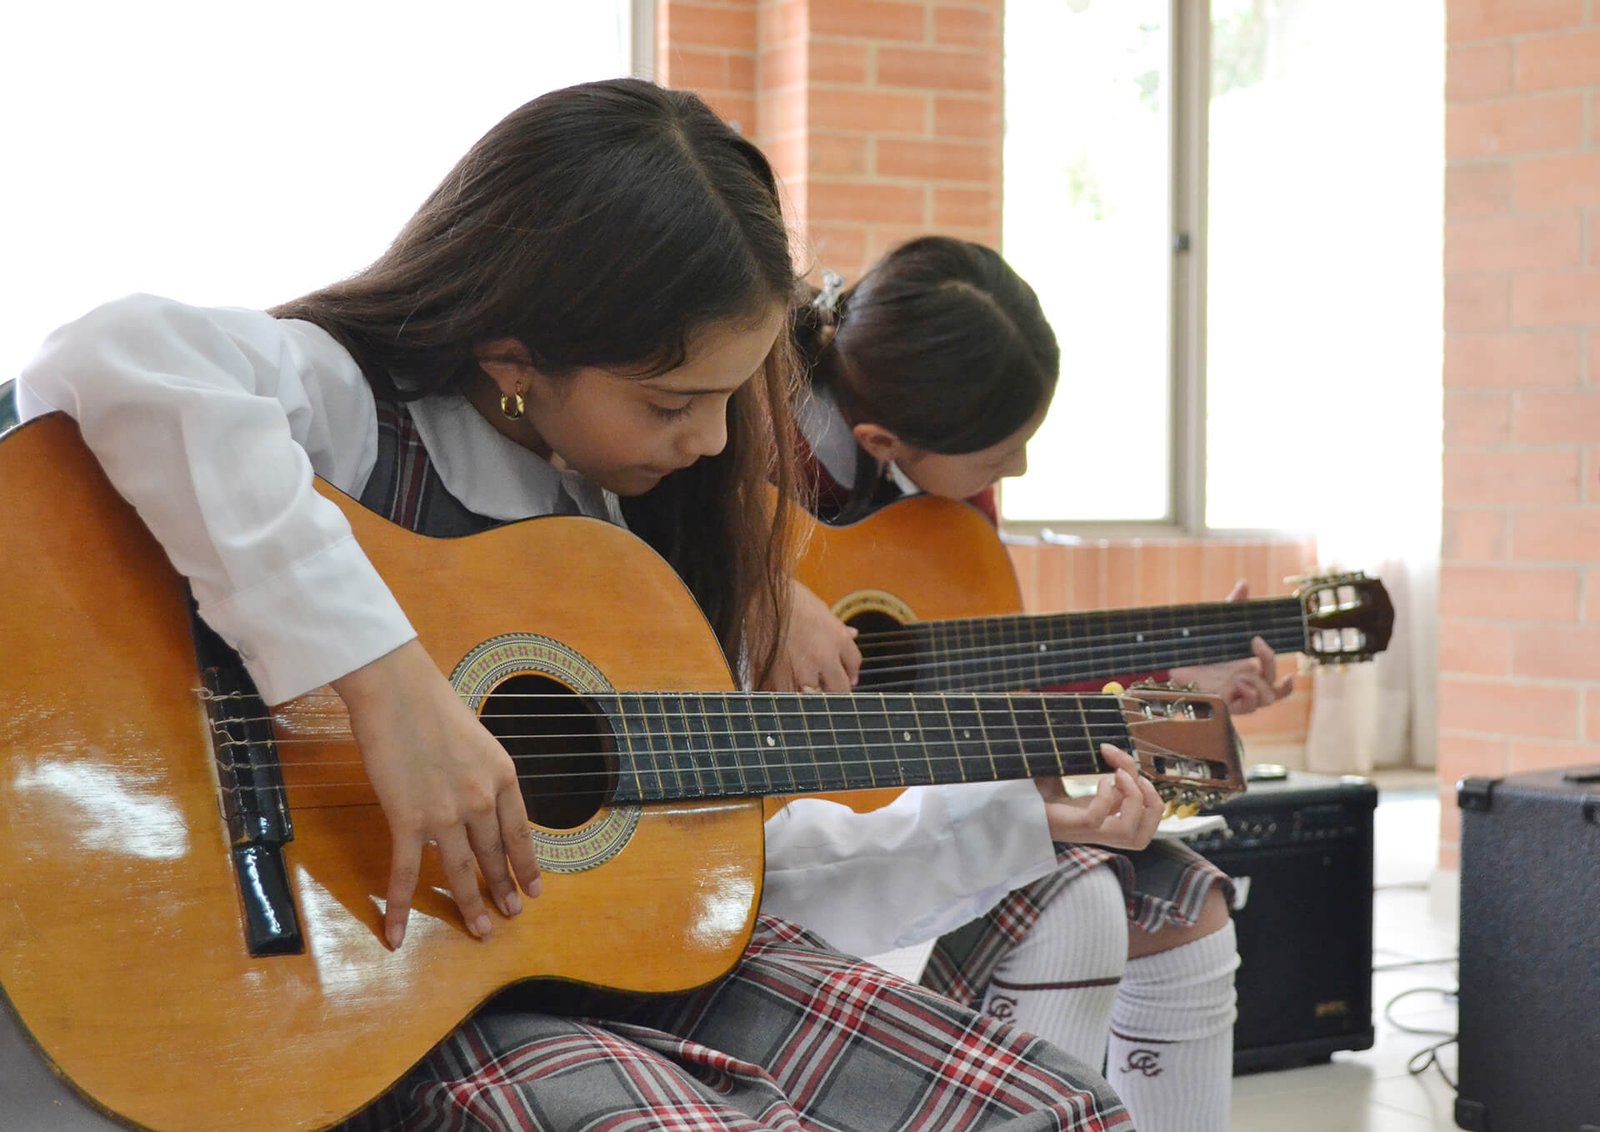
[1382, 714]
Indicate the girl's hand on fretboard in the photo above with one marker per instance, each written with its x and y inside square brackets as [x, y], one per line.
[1122, 814]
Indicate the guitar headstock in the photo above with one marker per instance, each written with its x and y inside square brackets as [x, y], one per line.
[1184, 743]
[1348, 617]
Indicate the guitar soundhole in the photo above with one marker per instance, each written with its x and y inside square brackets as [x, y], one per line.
[888, 652]
[561, 745]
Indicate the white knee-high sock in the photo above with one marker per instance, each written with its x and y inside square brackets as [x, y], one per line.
[1059, 982]
[1171, 1050]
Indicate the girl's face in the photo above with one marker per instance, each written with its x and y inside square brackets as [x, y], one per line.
[961, 476]
[627, 433]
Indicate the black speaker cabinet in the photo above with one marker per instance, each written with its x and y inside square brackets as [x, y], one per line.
[1530, 952]
[1300, 851]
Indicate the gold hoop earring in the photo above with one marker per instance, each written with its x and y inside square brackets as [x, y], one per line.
[512, 405]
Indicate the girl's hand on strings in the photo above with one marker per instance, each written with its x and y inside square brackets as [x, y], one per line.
[818, 652]
[1244, 685]
[1122, 814]
[441, 778]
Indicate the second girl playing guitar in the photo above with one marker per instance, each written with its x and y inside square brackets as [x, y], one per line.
[932, 374]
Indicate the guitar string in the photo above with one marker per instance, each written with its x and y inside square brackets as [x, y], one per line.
[1016, 768]
[1067, 622]
[1130, 638]
[920, 631]
[847, 753]
[662, 730]
[944, 768]
[1023, 656]
[810, 708]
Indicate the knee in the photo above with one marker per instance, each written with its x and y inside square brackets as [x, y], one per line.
[1090, 915]
[1213, 917]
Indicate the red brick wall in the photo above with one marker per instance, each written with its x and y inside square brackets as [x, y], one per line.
[1520, 587]
[881, 116]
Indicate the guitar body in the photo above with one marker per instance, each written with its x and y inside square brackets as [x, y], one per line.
[922, 558]
[121, 945]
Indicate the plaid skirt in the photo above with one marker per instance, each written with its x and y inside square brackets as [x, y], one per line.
[796, 1038]
[1165, 884]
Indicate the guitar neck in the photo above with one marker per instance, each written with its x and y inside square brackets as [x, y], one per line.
[711, 745]
[1041, 650]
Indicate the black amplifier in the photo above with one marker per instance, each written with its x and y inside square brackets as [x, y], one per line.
[1530, 956]
[1299, 848]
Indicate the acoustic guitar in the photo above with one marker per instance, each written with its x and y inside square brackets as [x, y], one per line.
[191, 884]
[931, 589]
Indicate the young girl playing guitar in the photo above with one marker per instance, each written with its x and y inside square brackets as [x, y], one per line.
[931, 374]
[590, 315]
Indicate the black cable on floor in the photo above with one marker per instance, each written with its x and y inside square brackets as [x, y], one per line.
[1420, 1061]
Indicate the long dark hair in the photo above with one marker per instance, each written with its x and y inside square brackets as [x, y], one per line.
[940, 342]
[602, 225]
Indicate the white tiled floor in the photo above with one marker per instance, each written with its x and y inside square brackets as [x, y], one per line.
[1371, 1090]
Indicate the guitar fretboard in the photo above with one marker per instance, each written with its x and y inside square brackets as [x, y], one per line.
[1041, 650]
[683, 746]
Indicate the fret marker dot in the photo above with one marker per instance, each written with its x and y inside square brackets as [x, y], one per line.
[1044, 648]
[1186, 632]
[905, 736]
[771, 742]
[1139, 637]
[966, 734]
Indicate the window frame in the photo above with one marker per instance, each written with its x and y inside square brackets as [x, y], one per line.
[1189, 37]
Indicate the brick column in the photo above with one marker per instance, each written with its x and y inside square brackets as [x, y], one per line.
[1520, 585]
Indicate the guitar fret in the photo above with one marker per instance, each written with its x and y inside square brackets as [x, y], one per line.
[1039, 752]
[714, 713]
[838, 769]
[896, 749]
[855, 759]
[685, 751]
[630, 769]
[937, 647]
[1081, 706]
[672, 782]
[1006, 742]
[968, 737]
[907, 738]
[645, 712]
[767, 735]
[707, 772]
[740, 722]
[944, 752]
[826, 768]
[799, 760]
[874, 732]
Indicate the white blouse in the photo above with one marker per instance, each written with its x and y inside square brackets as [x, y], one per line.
[211, 422]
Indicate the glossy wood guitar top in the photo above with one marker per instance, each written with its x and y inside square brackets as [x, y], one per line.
[121, 945]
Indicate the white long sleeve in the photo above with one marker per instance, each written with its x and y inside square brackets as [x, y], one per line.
[935, 858]
[211, 423]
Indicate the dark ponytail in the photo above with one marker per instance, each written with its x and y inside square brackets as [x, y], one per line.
[940, 342]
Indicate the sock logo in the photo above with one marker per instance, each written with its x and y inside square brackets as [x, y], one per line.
[1002, 1007]
[1145, 1061]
